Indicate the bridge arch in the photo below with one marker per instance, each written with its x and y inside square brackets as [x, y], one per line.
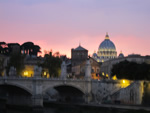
[15, 94]
[17, 86]
[68, 93]
[59, 85]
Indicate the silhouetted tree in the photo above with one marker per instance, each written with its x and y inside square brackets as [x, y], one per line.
[30, 49]
[131, 70]
[53, 64]
[2, 50]
[27, 47]
[36, 50]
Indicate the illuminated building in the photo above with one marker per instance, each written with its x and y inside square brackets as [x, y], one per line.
[79, 70]
[106, 50]
[29, 65]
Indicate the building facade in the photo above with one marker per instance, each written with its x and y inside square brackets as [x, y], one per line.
[79, 70]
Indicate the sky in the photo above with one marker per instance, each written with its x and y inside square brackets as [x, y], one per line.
[60, 25]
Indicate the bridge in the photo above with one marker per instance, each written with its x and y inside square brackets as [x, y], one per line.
[30, 91]
[37, 87]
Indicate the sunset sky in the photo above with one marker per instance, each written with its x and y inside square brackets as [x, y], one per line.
[61, 24]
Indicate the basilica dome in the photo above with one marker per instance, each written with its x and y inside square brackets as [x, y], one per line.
[107, 44]
[107, 49]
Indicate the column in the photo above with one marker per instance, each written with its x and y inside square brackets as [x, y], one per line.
[37, 98]
[88, 95]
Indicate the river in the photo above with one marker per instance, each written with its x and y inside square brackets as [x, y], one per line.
[70, 109]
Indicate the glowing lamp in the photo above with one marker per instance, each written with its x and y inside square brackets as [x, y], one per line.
[44, 73]
[107, 75]
[124, 81]
[103, 73]
[26, 73]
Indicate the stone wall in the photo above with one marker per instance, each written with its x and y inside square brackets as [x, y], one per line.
[132, 94]
[115, 93]
[103, 89]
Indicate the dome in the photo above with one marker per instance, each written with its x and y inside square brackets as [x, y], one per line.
[107, 44]
[107, 50]
[94, 54]
[121, 55]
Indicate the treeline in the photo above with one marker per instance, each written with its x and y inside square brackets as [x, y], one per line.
[27, 48]
[131, 70]
[17, 58]
[53, 64]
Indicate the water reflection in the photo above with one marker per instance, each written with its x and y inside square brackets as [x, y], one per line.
[72, 109]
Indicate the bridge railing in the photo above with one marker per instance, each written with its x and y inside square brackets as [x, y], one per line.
[39, 78]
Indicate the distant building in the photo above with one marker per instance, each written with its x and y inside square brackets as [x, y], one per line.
[78, 55]
[79, 70]
[106, 50]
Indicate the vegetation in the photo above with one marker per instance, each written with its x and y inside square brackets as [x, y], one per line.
[27, 47]
[17, 61]
[30, 48]
[15, 50]
[53, 64]
[1, 66]
[131, 71]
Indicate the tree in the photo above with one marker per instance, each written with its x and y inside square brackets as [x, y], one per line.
[36, 50]
[17, 61]
[131, 70]
[2, 47]
[27, 47]
[30, 48]
[1, 66]
[53, 64]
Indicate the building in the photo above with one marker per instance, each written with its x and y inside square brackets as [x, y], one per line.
[106, 50]
[79, 70]
[29, 65]
[78, 55]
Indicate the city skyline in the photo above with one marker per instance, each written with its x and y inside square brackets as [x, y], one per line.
[62, 25]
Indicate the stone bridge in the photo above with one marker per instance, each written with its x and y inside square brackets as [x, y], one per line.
[92, 90]
[38, 86]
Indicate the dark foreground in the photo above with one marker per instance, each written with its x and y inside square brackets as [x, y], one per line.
[67, 108]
